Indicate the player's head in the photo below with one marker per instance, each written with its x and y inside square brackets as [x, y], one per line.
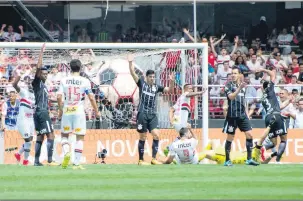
[44, 73]
[184, 132]
[235, 74]
[28, 81]
[12, 95]
[264, 85]
[75, 65]
[188, 88]
[150, 77]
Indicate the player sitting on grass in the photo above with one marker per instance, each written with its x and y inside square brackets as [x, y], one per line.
[184, 149]
[237, 157]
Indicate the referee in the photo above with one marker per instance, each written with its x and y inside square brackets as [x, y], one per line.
[42, 119]
[236, 116]
[147, 115]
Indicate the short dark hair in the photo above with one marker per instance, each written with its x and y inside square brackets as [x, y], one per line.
[237, 68]
[75, 65]
[186, 85]
[149, 72]
[183, 131]
[43, 68]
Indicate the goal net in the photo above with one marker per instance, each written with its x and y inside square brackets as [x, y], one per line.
[107, 68]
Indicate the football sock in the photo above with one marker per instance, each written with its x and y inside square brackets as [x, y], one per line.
[50, 149]
[21, 150]
[37, 151]
[249, 146]
[281, 150]
[274, 154]
[227, 150]
[155, 147]
[65, 145]
[141, 149]
[27, 149]
[78, 151]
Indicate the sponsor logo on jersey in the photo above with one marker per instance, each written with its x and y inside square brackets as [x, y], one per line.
[77, 130]
[71, 109]
[66, 128]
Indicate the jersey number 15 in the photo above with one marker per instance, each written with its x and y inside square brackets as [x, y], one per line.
[73, 93]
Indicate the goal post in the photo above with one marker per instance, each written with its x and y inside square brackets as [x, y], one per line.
[152, 51]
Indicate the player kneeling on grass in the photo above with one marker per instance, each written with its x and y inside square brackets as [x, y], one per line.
[183, 151]
[74, 88]
[25, 119]
[237, 157]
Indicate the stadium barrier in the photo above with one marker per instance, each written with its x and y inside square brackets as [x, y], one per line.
[121, 145]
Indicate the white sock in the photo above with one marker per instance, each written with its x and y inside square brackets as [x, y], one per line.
[65, 145]
[27, 149]
[21, 150]
[78, 151]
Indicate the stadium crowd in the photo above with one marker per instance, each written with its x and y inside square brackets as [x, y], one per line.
[279, 51]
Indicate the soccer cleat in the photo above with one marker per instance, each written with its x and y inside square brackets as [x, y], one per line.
[155, 162]
[272, 121]
[25, 162]
[52, 164]
[18, 157]
[78, 167]
[228, 163]
[66, 160]
[252, 162]
[141, 162]
[38, 164]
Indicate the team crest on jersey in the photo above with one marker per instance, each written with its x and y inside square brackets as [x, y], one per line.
[230, 129]
[140, 127]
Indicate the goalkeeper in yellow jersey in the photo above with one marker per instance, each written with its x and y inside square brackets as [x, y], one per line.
[237, 157]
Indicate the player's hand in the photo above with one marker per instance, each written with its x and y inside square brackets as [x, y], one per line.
[243, 85]
[98, 115]
[211, 39]
[130, 58]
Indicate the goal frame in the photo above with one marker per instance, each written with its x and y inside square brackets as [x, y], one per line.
[203, 46]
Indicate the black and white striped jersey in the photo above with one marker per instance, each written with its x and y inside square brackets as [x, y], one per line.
[236, 107]
[148, 95]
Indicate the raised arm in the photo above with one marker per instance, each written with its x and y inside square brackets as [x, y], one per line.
[219, 41]
[170, 89]
[212, 46]
[130, 59]
[40, 60]
[191, 94]
[235, 46]
[16, 80]
[188, 34]
[232, 95]
[271, 74]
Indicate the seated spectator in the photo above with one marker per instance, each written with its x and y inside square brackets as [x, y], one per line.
[288, 77]
[299, 74]
[223, 72]
[293, 84]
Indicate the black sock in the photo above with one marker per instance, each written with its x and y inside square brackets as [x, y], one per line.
[50, 149]
[227, 150]
[155, 148]
[249, 146]
[37, 151]
[274, 154]
[141, 149]
[281, 150]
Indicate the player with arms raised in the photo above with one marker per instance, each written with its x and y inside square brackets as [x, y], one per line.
[72, 113]
[25, 119]
[147, 115]
[274, 121]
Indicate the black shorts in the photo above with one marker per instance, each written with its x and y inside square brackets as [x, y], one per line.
[146, 122]
[279, 127]
[43, 123]
[231, 124]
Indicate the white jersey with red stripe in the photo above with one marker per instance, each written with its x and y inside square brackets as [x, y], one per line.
[74, 88]
[27, 103]
[184, 151]
[221, 59]
[182, 111]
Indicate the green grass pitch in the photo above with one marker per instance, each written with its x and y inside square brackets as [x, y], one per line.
[152, 182]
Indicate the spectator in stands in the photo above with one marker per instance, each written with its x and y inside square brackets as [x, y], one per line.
[83, 37]
[75, 34]
[284, 39]
[90, 32]
[253, 64]
[297, 116]
[299, 74]
[10, 35]
[293, 84]
[118, 34]
[288, 77]
[240, 47]
[291, 57]
[295, 65]
[223, 72]
[272, 39]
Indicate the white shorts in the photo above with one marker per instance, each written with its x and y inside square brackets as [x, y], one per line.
[75, 123]
[195, 160]
[26, 127]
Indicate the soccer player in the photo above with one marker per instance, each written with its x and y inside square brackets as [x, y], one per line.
[180, 112]
[42, 119]
[10, 111]
[25, 119]
[147, 115]
[237, 157]
[236, 116]
[273, 113]
[184, 150]
[74, 88]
